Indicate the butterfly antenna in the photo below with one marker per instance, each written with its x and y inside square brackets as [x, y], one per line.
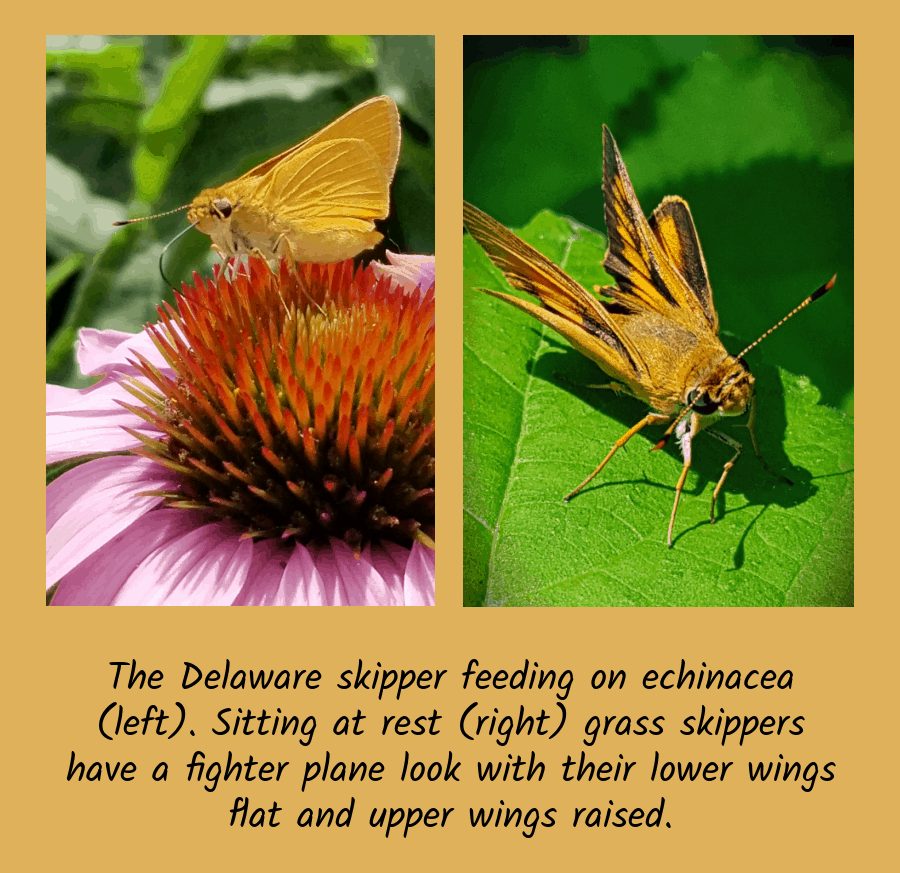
[814, 296]
[148, 217]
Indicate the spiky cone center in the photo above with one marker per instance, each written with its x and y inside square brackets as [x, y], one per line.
[302, 405]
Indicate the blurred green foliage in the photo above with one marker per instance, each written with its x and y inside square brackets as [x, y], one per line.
[755, 133]
[140, 125]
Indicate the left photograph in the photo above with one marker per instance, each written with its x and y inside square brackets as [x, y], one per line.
[240, 321]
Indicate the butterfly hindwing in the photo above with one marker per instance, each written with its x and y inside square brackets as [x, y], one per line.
[565, 305]
[673, 226]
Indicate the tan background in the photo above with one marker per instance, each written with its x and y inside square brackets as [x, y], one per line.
[58, 678]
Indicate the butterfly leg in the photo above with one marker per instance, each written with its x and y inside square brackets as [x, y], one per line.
[617, 387]
[685, 432]
[283, 248]
[652, 418]
[751, 426]
[738, 448]
[231, 261]
[261, 255]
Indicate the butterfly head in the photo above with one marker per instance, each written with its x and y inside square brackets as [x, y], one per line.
[726, 391]
[210, 210]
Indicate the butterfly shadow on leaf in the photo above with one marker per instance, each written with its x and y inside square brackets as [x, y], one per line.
[610, 414]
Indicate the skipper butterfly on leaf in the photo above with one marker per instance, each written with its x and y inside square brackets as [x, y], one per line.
[658, 338]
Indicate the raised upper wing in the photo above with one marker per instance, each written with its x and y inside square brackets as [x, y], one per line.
[647, 275]
[335, 179]
[376, 122]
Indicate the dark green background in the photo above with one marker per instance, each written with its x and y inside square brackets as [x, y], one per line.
[757, 135]
[138, 125]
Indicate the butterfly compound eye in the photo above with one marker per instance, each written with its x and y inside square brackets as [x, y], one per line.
[702, 405]
[222, 208]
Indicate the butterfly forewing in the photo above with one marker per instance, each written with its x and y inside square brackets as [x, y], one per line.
[376, 121]
[647, 278]
[336, 179]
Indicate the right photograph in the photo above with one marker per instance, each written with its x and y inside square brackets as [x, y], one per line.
[658, 321]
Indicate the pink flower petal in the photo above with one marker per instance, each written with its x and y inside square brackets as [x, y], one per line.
[362, 582]
[289, 578]
[263, 586]
[418, 580]
[410, 271]
[207, 566]
[96, 581]
[172, 557]
[89, 505]
[333, 590]
[104, 351]
[301, 583]
[90, 420]
[332, 576]
[388, 569]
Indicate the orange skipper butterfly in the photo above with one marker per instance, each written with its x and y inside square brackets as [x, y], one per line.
[658, 336]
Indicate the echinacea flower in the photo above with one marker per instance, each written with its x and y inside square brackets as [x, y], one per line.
[269, 441]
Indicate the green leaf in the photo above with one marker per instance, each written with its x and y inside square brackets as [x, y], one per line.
[111, 72]
[62, 270]
[532, 433]
[357, 50]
